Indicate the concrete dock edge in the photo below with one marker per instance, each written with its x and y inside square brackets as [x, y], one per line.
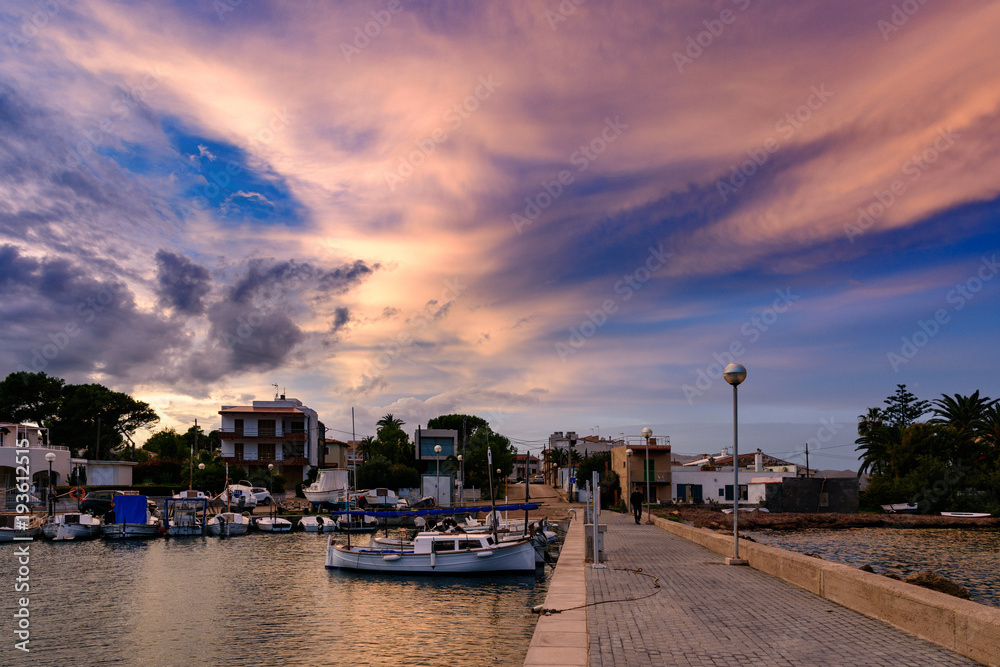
[561, 639]
[967, 628]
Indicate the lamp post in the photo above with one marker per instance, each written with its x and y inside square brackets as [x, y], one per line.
[50, 457]
[270, 484]
[628, 474]
[735, 374]
[201, 474]
[461, 480]
[647, 433]
[437, 479]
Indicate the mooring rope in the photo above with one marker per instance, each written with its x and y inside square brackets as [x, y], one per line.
[656, 589]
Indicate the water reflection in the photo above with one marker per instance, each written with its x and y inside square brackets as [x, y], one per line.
[262, 599]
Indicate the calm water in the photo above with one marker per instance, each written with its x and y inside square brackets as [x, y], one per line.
[256, 599]
[967, 557]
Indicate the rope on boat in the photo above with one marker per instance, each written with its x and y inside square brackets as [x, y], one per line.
[631, 598]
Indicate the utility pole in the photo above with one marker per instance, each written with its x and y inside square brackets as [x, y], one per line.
[807, 460]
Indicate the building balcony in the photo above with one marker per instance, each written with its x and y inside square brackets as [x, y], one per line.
[251, 460]
[261, 434]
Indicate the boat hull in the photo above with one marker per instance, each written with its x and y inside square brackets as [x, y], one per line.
[273, 526]
[504, 557]
[967, 515]
[227, 525]
[72, 527]
[125, 531]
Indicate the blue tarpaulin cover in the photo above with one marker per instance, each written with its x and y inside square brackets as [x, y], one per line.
[130, 509]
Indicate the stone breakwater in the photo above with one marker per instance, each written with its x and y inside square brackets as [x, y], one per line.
[716, 519]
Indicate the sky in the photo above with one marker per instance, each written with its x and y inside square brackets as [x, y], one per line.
[554, 215]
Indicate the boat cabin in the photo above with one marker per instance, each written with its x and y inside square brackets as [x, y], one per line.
[425, 543]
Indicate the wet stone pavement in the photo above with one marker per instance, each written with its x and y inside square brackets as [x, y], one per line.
[708, 613]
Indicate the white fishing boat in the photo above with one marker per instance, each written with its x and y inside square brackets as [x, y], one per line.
[900, 508]
[967, 515]
[331, 486]
[345, 523]
[318, 524]
[437, 553]
[228, 524]
[133, 518]
[186, 516]
[12, 526]
[380, 497]
[72, 526]
[272, 524]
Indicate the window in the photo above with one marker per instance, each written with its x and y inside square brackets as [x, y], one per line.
[265, 428]
[238, 426]
[265, 451]
[743, 492]
[650, 466]
[238, 451]
[427, 447]
[298, 427]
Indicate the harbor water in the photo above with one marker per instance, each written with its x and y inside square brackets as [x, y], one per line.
[256, 599]
[967, 557]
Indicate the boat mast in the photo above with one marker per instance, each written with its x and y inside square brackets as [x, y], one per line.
[493, 499]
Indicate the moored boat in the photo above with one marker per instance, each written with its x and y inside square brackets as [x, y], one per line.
[331, 486]
[901, 508]
[132, 518]
[17, 526]
[72, 526]
[185, 516]
[967, 515]
[437, 553]
[272, 524]
[228, 524]
[318, 524]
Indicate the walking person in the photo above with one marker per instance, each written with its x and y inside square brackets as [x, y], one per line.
[636, 500]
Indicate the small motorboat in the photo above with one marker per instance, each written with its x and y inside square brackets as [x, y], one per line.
[186, 516]
[72, 526]
[132, 517]
[318, 524]
[900, 508]
[272, 524]
[15, 526]
[967, 515]
[330, 486]
[437, 553]
[228, 524]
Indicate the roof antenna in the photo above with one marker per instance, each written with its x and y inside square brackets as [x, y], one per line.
[275, 385]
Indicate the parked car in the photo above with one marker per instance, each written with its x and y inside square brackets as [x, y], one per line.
[262, 495]
[99, 503]
[538, 479]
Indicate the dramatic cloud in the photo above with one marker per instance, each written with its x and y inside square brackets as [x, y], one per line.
[559, 219]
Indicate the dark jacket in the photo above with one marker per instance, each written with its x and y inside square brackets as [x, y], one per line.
[637, 498]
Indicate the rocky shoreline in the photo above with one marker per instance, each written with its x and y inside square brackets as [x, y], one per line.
[716, 519]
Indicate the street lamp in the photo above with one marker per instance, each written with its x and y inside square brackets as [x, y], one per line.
[628, 474]
[461, 480]
[437, 479]
[50, 457]
[647, 433]
[735, 374]
[201, 474]
[270, 485]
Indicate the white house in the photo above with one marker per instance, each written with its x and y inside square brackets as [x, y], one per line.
[24, 447]
[710, 478]
[283, 433]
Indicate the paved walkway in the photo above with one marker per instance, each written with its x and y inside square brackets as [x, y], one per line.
[709, 613]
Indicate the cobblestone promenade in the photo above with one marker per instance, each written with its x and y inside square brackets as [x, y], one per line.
[709, 613]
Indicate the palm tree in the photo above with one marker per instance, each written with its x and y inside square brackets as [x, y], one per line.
[876, 441]
[366, 447]
[964, 413]
[389, 421]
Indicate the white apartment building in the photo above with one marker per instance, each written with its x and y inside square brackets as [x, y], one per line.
[283, 433]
